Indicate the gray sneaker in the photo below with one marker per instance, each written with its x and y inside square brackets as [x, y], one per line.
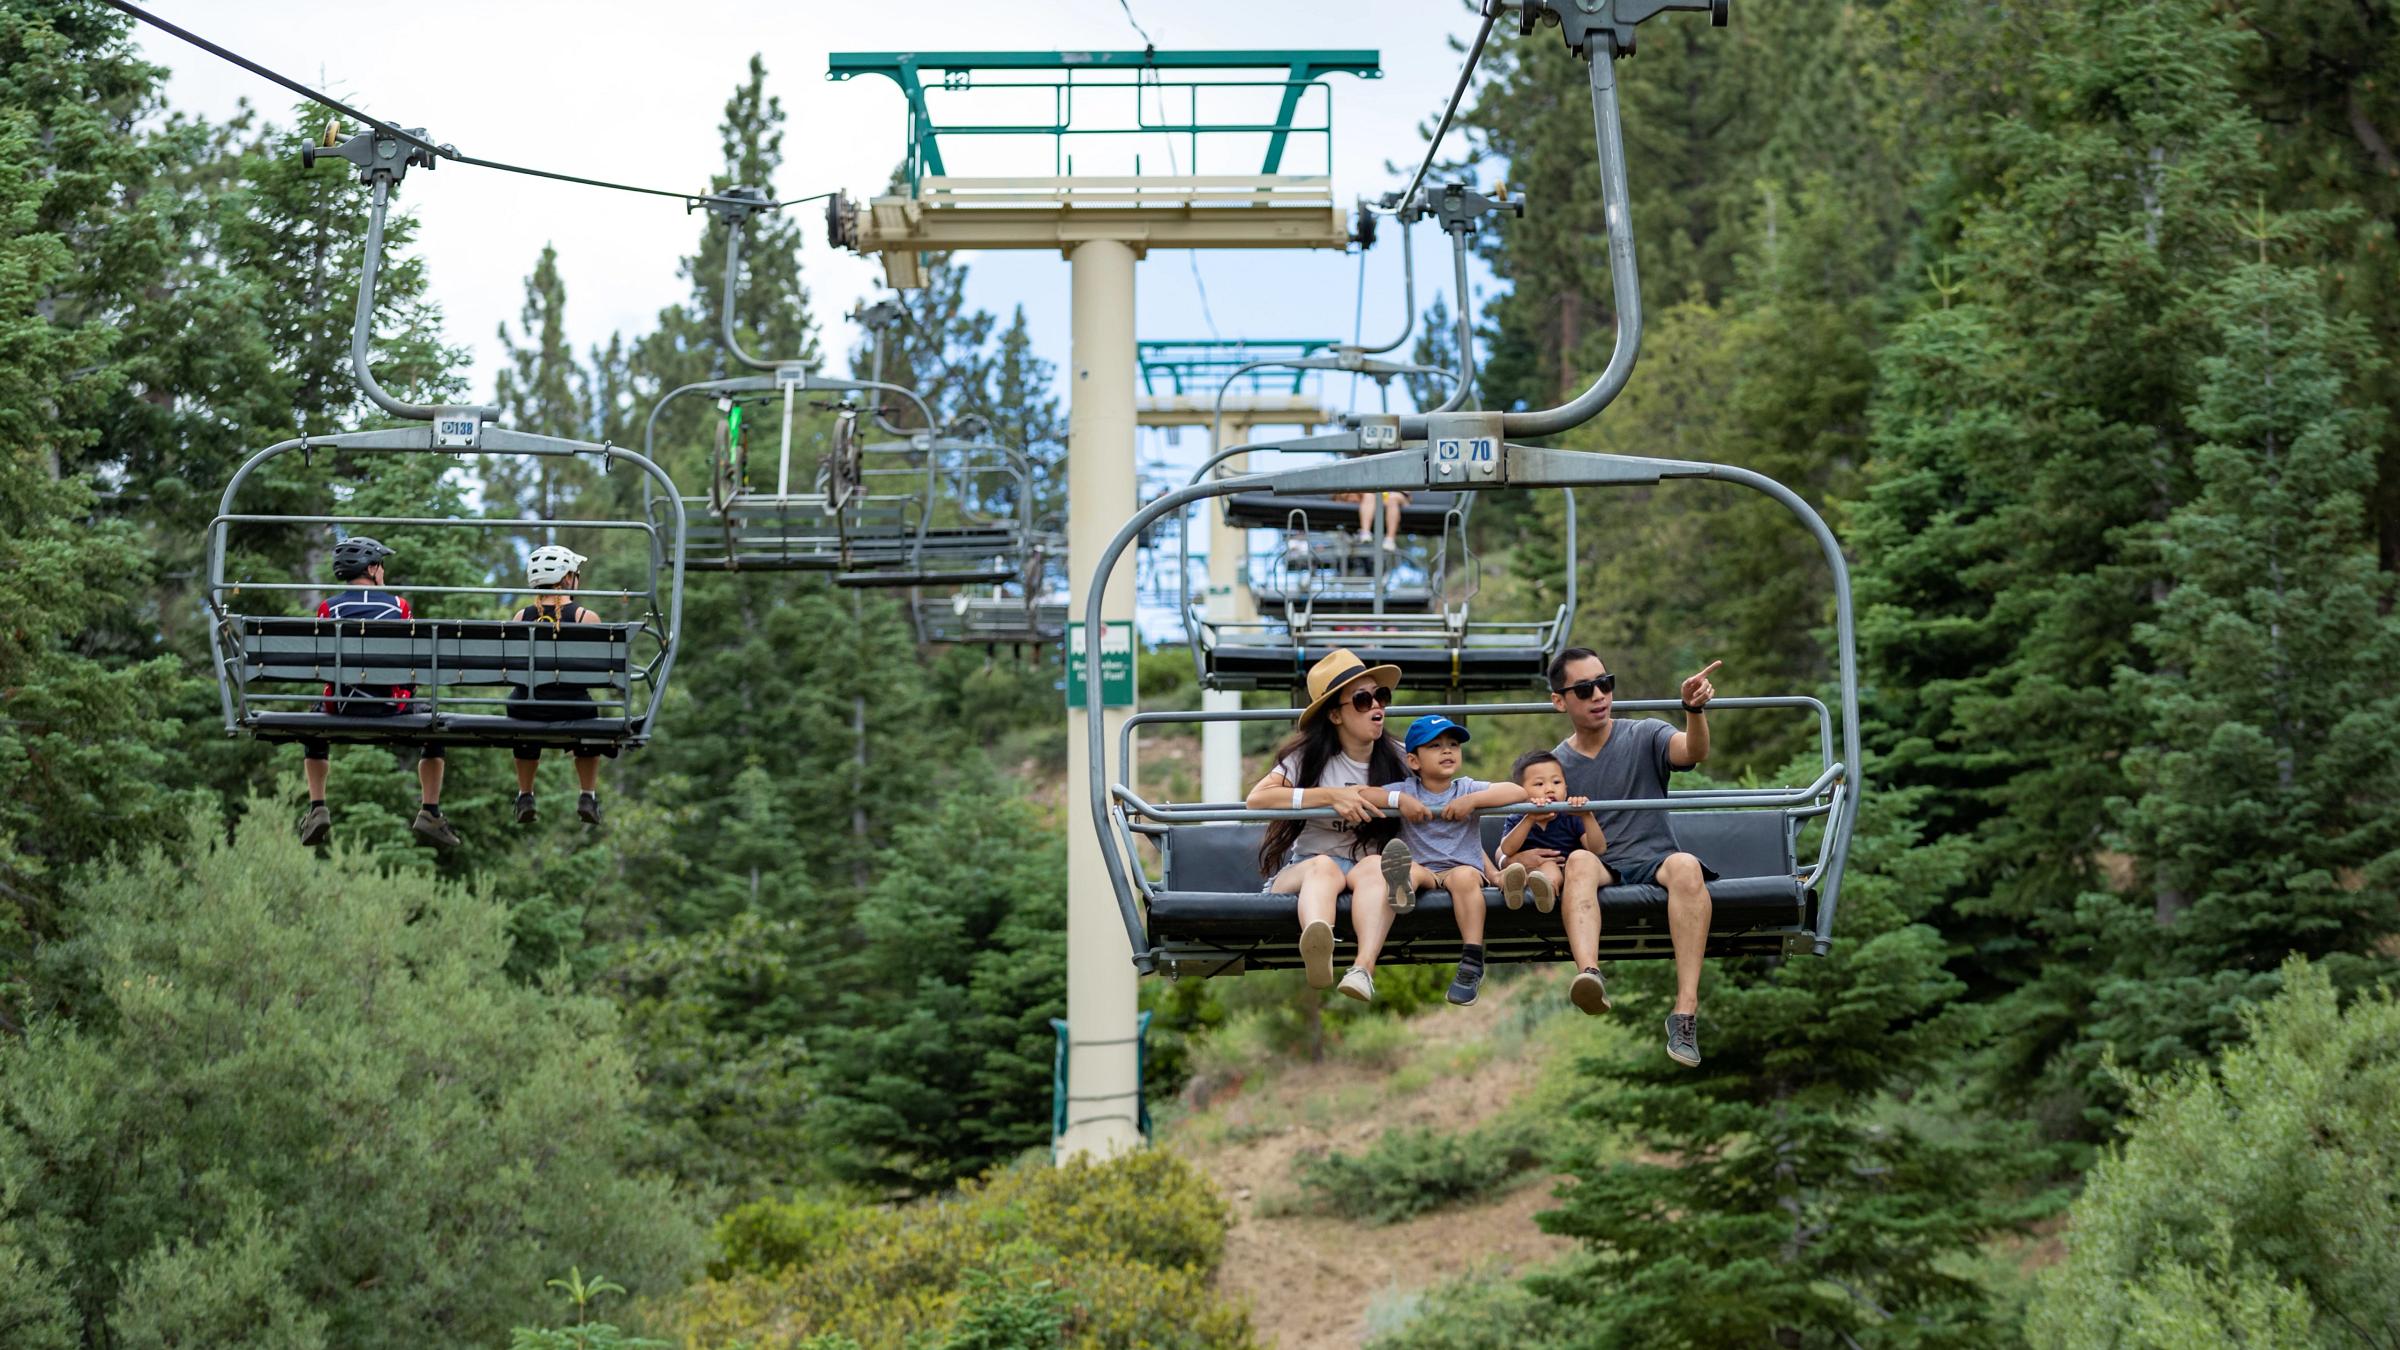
[433, 830]
[1397, 861]
[1589, 991]
[315, 825]
[1683, 1039]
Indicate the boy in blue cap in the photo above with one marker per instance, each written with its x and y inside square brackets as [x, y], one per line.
[1441, 842]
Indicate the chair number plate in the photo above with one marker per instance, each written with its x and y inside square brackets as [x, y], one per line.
[1473, 456]
[451, 431]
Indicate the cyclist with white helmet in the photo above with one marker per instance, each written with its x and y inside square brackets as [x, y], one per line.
[359, 560]
[555, 571]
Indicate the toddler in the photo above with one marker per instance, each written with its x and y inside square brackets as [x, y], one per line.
[1545, 780]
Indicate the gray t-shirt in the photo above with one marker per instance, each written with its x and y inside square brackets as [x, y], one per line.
[1632, 766]
[1325, 836]
[1442, 844]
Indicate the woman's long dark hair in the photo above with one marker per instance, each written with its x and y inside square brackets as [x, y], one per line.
[1316, 742]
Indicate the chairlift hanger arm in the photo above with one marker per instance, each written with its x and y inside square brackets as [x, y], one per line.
[782, 372]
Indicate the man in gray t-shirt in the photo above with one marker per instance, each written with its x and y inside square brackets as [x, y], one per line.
[1610, 760]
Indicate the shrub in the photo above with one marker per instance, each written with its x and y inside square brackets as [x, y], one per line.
[1121, 1252]
[307, 1105]
[2250, 1205]
[1407, 1172]
[765, 1236]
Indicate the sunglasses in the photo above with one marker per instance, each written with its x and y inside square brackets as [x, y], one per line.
[1591, 688]
[1377, 697]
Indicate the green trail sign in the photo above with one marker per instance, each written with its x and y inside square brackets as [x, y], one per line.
[1116, 664]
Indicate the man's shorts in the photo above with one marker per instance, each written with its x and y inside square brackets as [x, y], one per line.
[1623, 871]
[324, 750]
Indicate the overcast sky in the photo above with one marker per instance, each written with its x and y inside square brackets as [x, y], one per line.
[633, 91]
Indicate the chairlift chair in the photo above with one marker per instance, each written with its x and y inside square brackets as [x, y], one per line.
[277, 673]
[1203, 912]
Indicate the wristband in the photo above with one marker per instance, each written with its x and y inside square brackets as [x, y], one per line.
[1297, 795]
[1696, 708]
[1394, 803]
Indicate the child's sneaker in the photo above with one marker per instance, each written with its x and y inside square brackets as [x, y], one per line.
[526, 814]
[1545, 895]
[1359, 985]
[1512, 885]
[1316, 954]
[1464, 985]
[1397, 861]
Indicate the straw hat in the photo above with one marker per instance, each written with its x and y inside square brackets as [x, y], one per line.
[1340, 666]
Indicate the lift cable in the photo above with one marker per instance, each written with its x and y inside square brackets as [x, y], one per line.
[1466, 74]
[689, 199]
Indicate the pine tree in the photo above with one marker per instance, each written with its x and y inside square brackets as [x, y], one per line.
[540, 391]
[2262, 815]
[1792, 1205]
[2031, 427]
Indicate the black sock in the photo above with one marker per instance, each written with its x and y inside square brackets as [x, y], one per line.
[430, 808]
[1470, 958]
[315, 802]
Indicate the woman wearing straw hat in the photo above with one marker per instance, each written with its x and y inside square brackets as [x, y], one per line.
[1335, 756]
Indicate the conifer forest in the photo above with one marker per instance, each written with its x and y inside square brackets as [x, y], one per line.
[2075, 321]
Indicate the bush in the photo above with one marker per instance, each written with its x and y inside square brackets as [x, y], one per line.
[2251, 1205]
[1120, 1252]
[765, 1236]
[1404, 1173]
[308, 1106]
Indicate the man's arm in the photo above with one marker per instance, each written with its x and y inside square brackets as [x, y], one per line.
[1689, 746]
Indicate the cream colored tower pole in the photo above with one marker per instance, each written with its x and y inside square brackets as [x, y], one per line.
[1103, 1096]
[1229, 601]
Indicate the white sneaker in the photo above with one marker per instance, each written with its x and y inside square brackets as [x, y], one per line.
[1359, 985]
[1365, 536]
[1316, 954]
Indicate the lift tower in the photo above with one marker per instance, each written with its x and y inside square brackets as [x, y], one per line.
[1231, 124]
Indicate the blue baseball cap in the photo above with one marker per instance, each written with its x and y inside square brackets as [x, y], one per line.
[1426, 728]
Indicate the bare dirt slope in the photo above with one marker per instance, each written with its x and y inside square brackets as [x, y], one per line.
[1315, 1282]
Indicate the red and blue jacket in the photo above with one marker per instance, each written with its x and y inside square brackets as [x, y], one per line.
[366, 700]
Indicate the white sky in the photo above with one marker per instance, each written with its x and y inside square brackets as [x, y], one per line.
[633, 91]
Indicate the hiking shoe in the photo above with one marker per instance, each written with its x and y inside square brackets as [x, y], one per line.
[1683, 1039]
[526, 814]
[1512, 885]
[433, 830]
[1397, 861]
[315, 824]
[587, 806]
[1359, 984]
[1316, 954]
[1589, 991]
[1545, 895]
[1464, 985]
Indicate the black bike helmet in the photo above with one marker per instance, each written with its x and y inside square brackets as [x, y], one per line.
[354, 555]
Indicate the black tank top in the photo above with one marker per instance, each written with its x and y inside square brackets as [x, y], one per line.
[558, 616]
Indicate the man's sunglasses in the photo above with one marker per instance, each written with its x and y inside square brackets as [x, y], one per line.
[1591, 688]
[1378, 697]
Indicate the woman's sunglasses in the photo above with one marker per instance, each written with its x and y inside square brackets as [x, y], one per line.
[1591, 688]
[1377, 697]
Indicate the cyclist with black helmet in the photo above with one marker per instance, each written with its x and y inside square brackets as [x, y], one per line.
[359, 560]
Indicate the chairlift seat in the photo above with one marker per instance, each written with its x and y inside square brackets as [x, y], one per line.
[1346, 599]
[428, 656]
[1211, 916]
[1424, 512]
[1466, 660]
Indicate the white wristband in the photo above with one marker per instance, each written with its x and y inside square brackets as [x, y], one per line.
[1297, 794]
[1394, 803]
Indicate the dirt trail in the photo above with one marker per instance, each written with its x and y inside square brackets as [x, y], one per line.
[1315, 1282]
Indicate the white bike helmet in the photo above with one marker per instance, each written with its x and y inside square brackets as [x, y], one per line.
[551, 562]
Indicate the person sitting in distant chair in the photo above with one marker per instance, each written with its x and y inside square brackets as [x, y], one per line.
[558, 571]
[360, 559]
[1392, 502]
[1608, 760]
